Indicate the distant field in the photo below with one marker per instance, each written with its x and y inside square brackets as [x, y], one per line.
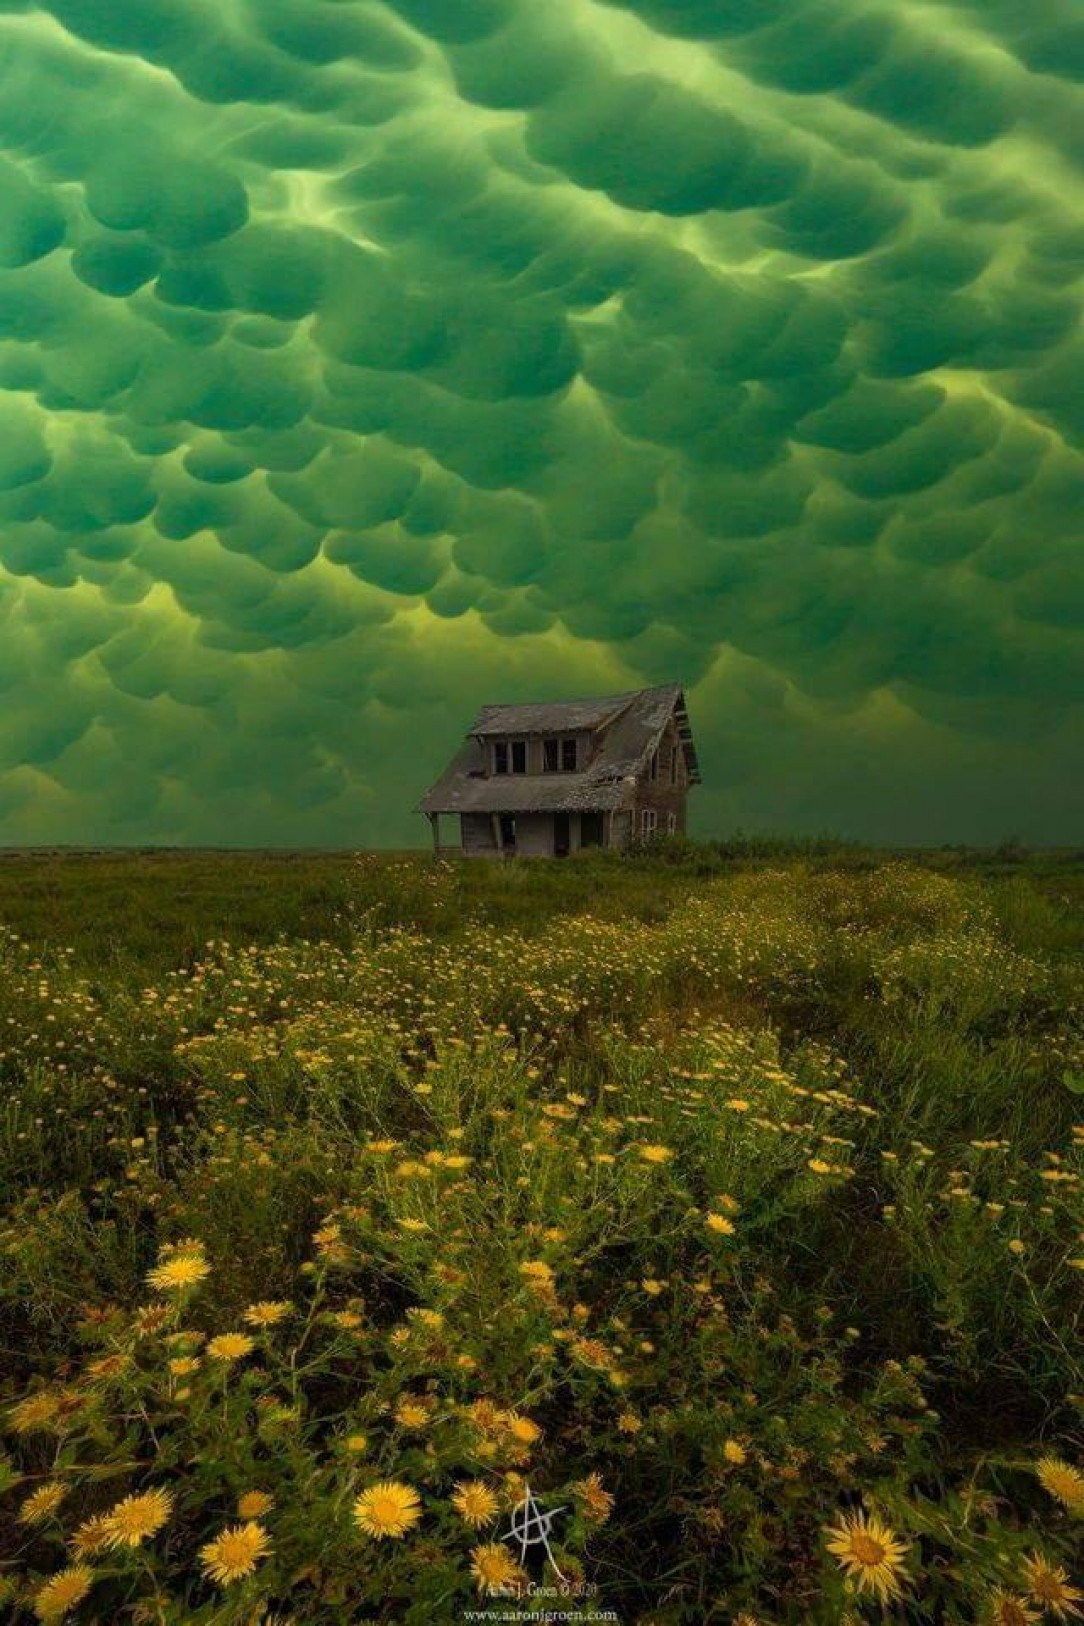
[731, 1197]
[158, 909]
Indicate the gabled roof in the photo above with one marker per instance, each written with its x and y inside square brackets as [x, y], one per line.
[630, 723]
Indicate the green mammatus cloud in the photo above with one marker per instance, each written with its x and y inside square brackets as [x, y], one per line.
[362, 361]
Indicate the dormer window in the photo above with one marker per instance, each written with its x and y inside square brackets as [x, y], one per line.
[560, 756]
[510, 756]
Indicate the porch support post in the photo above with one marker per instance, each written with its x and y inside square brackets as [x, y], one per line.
[498, 834]
[434, 825]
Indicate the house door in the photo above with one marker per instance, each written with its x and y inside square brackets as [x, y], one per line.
[561, 835]
[508, 832]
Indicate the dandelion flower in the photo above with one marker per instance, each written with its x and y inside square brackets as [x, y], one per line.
[137, 1517]
[719, 1224]
[870, 1554]
[536, 1270]
[235, 1553]
[523, 1429]
[655, 1154]
[411, 1414]
[268, 1313]
[230, 1346]
[493, 1567]
[63, 1592]
[35, 1413]
[182, 1271]
[475, 1503]
[734, 1452]
[1063, 1482]
[254, 1504]
[389, 1508]
[42, 1503]
[92, 1535]
[1048, 1584]
[595, 1500]
[1007, 1609]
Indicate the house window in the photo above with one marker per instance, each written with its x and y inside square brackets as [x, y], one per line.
[500, 757]
[519, 756]
[508, 830]
[654, 764]
[570, 760]
[550, 761]
[649, 823]
[671, 824]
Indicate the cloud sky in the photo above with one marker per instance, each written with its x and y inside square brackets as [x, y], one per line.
[362, 362]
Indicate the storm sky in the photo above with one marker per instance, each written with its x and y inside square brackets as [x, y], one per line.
[365, 361]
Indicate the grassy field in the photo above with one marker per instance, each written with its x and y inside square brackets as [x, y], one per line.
[730, 1199]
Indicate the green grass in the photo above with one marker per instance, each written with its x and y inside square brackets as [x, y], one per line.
[747, 1176]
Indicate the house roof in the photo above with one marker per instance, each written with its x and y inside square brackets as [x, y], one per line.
[549, 717]
[631, 725]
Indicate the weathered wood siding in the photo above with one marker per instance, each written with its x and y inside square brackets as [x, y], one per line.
[665, 794]
[621, 829]
[534, 835]
[476, 831]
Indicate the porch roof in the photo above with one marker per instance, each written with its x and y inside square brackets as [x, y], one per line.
[465, 789]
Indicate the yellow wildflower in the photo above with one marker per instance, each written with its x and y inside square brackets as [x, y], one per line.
[475, 1503]
[389, 1508]
[230, 1346]
[64, 1592]
[1062, 1481]
[137, 1517]
[235, 1553]
[869, 1553]
[493, 1567]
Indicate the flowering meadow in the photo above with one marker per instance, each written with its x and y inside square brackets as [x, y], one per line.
[734, 1211]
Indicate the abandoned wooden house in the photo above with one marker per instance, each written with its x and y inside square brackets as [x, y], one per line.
[544, 780]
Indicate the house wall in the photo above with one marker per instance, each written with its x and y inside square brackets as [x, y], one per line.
[621, 829]
[663, 794]
[476, 835]
[534, 835]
